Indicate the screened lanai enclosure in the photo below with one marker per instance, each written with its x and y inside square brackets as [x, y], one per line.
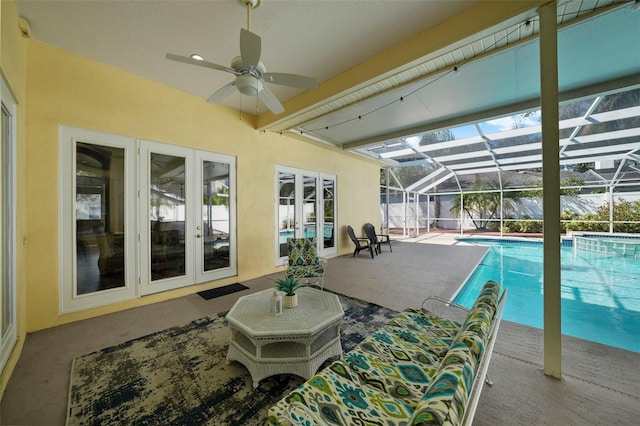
[459, 132]
[486, 176]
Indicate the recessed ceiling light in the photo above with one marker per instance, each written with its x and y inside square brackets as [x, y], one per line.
[197, 57]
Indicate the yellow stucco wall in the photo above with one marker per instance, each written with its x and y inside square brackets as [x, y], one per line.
[64, 88]
[12, 68]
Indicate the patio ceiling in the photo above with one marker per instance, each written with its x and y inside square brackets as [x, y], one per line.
[391, 72]
[475, 107]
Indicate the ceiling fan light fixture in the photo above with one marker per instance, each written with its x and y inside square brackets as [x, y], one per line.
[248, 85]
[248, 70]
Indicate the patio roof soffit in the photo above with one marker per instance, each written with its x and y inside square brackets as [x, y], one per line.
[406, 55]
[515, 108]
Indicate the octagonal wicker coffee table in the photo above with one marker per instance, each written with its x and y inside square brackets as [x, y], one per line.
[296, 342]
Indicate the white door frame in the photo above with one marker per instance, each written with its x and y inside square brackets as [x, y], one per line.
[136, 222]
[147, 285]
[70, 300]
[299, 213]
[8, 217]
[232, 269]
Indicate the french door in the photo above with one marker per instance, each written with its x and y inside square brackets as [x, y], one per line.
[140, 217]
[187, 215]
[305, 208]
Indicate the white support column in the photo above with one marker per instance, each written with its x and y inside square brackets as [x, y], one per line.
[551, 188]
[417, 203]
[461, 212]
[387, 192]
[501, 209]
[404, 214]
[428, 213]
[611, 203]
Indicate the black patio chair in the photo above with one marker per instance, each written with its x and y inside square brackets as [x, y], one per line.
[361, 243]
[376, 239]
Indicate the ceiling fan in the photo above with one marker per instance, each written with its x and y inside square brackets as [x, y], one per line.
[249, 71]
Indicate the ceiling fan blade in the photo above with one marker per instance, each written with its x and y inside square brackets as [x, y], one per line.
[222, 92]
[206, 64]
[270, 101]
[292, 80]
[250, 47]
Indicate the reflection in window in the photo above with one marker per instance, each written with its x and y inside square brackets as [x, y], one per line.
[99, 185]
[309, 208]
[215, 215]
[328, 202]
[166, 215]
[286, 210]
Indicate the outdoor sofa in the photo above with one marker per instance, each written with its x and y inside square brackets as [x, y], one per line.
[418, 369]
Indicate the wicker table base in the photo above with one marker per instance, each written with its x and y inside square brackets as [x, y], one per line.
[296, 342]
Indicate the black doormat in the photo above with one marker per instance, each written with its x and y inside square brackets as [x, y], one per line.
[222, 291]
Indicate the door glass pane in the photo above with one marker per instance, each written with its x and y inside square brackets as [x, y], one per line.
[286, 210]
[167, 203]
[309, 207]
[100, 248]
[215, 215]
[5, 297]
[328, 205]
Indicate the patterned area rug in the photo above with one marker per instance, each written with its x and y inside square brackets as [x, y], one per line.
[179, 376]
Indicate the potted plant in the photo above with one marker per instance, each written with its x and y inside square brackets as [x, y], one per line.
[289, 286]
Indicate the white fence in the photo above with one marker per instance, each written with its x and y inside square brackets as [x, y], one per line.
[416, 217]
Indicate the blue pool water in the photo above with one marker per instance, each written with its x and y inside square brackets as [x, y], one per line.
[600, 294]
[308, 233]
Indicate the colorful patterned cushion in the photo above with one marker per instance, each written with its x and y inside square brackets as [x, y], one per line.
[478, 321]
[303, 258]
[489, 297]
[331, 397]
[400, 372]
[445, 401]
[419, 319]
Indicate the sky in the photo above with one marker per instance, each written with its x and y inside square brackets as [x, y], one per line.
[498, 125]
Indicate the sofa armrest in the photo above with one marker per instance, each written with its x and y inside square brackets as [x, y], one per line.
[447, 303]
[483, 365]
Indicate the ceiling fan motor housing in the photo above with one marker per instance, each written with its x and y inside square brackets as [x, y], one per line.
[248, 84]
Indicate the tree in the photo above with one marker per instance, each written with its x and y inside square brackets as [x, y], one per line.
[482, 203]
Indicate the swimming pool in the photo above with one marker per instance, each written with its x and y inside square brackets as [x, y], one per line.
[600, 293]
